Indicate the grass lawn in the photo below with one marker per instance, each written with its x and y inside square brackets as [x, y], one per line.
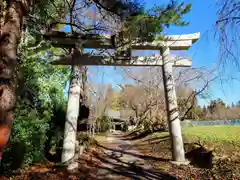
[216, 134]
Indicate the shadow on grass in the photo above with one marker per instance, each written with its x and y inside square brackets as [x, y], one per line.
[156, 140]
[137, 134]
[132, 133]
[198, 155]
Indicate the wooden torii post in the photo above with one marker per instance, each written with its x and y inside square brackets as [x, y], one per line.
[166, 60]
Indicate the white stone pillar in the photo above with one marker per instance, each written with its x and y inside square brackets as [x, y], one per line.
[175, 132]
[70, 130]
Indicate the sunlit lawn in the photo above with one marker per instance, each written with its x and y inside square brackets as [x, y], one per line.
[100, 137]
[218, 134]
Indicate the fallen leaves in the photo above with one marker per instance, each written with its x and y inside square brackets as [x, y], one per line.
[91, 164]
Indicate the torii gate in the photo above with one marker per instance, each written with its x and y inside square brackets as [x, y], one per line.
[167, 61]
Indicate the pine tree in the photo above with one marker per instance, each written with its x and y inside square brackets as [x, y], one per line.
[148, 23]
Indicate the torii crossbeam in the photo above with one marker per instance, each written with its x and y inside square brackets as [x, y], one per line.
[94, 60]
[93, 41]
[167, 61]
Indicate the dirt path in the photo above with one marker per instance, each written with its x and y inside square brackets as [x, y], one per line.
[127, 156]
[112, 158]
[118, 160]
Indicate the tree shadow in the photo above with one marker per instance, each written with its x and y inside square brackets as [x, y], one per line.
[135, 135]
[198, 155]
[113, 163]
[108, 164]
[131, 170]
[132, 133]
[157, 140]
[138, 155]
[105, 163]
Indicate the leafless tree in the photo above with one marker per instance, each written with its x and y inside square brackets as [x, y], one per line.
[146, 95]
[228, 30]
[100, 100]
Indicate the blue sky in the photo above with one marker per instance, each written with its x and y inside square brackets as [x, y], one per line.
[202, 19]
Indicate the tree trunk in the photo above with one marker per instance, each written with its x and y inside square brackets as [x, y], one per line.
[174, 126]
[10, 34]
[70, 131]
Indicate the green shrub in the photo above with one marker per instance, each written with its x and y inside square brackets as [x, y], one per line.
[103, 124]
[53, 145]
[26, 143]
[35, 132]
[83, 138]
[125, 127]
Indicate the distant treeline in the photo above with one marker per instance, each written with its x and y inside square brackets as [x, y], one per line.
[216, 110]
